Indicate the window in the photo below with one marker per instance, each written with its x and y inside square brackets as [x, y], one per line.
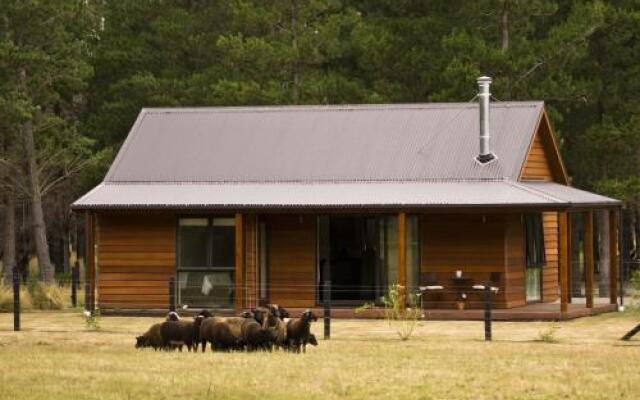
[535, 240]
[535, 256]
[206, 262]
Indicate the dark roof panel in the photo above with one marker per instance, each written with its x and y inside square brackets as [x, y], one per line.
[324, 143]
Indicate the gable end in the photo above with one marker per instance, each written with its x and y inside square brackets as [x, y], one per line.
[543, 161]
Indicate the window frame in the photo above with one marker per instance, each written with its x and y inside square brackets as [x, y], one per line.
[207, 268]
[533, 260]
[209, 226]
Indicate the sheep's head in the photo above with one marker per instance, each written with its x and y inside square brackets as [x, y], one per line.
[173, 316]
[197, 321]
[205, 314]
[284, 313]
[141, 341]
[308, 316]
[247, 314]
[274, 309]
[312, 339]
[278, 311]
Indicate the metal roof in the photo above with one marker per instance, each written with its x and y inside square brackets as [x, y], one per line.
[430, 194]
[324, 143]
[372, 156]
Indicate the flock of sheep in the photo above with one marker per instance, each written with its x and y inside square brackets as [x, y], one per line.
[262, 328]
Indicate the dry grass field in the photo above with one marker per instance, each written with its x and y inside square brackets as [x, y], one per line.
[56, 357]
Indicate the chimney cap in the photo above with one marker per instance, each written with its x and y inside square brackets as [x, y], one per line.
[484, 79]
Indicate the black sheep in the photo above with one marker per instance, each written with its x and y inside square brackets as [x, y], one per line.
[312, 339]
[254, 337]
[278, 311]
[179, 333]
[151, 338]
[224, 334]
[173, 316]
[299, 331]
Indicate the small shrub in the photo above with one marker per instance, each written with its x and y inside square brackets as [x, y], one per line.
[548, 334]
[92, 320]
[402, 316]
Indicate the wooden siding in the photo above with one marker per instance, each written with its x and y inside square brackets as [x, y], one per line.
[251, 261]
[292, 260]
[514, 289]
[537, 166]
[550, 272]
[136, 258]
[543, 162]
[474, 244]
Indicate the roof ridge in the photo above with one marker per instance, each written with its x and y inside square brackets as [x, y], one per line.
[340, 107]
[308, 182]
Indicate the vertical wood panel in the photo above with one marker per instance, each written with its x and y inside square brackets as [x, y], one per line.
[90, 255]
[613, 254]
[476, 245]
[239, 274]
[251, 262]
[550, 284]
[588, 257]
[565, 259]
[292, 260]
[136, 258]
[515, 268]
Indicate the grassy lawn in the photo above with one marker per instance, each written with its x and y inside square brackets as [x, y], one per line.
[55, 357]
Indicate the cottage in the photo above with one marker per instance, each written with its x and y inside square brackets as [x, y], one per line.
[250, 205]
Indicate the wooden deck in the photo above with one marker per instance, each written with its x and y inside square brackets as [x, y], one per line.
[530, 312]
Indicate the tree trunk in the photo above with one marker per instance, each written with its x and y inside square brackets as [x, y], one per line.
[604, 262]
[37, 213]
[9, 240]
[295, 89]
[506, 8]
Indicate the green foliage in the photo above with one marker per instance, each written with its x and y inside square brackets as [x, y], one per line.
[92, 320]
[90, 66]
[401, 310]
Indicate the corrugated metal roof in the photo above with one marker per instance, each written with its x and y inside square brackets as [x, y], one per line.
[568, 194]
[324, 143]
[497, 193]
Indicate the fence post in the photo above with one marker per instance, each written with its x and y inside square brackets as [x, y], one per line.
[74, 284]
[16, 299]
[327, 309]
[172, 293]
[487, 311]
[87, 297]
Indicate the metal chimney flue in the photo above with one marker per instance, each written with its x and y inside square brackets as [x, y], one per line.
[484, 97]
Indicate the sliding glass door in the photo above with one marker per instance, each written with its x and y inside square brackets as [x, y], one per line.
[206, 262]
[359, 254]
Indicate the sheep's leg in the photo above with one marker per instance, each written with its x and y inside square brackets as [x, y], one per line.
[204, 345]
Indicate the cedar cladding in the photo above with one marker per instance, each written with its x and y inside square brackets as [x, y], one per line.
[472, 243]
[292, 260]
[136, 258]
